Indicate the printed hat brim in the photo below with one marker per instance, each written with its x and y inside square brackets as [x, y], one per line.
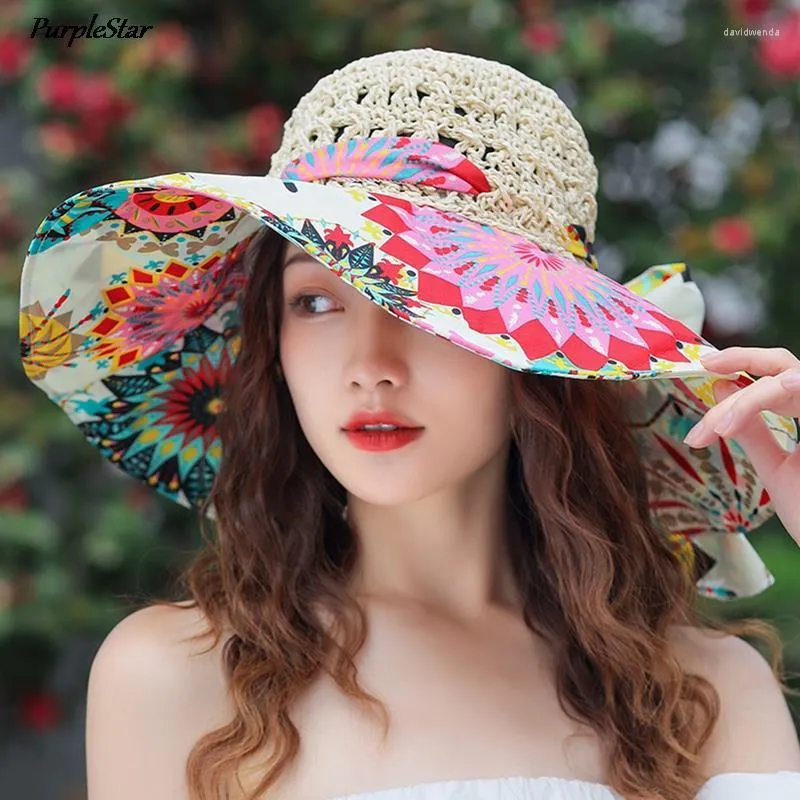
[437, 270]
[129, 308]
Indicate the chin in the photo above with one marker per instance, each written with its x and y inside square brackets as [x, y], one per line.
[376, 493]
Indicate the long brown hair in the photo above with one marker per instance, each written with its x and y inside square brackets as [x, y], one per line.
[598, 579]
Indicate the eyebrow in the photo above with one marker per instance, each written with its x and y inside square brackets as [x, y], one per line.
[303, 256]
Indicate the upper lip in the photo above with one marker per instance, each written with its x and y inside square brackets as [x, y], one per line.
[361, 418]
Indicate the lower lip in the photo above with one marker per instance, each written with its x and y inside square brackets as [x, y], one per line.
[383, 440]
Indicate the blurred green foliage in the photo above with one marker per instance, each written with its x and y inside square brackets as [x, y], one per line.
[695, 133]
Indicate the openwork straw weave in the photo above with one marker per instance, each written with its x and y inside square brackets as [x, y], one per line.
[519, 132]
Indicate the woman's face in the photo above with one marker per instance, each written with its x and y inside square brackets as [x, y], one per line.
[342, 354]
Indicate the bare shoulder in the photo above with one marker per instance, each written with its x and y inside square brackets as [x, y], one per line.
[152, 692]
[160, 630]
[755, 731]
[156, 647]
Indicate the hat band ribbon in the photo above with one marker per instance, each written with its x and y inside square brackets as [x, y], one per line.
[391, 158]
[403, 159]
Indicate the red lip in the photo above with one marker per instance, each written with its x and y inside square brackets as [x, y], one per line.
[361, 418]
[377, 441]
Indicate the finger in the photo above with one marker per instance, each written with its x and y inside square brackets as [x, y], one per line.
[737, 408]
[755, 360]
[791, 380]
[723, 388]
[766, 394]
[777, 471]
[751, 433]
[759, 444]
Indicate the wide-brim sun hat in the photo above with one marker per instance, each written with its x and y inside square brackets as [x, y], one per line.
[456, 193]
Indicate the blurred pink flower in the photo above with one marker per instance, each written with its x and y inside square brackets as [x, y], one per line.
[13, 496]
[102, 109]
[749, 11]
[263, 126]
[169, 46]
[96, 94]
[543, 37]
[732, 236]
[15, 50]
[780, 55]
[59, 86]
[59, 139]
[91, 97]
[40, 710]
[95, 130]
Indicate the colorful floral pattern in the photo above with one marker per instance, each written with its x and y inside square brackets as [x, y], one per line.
[159, 423]
[129, 321]
[506, 284]
[392, 158]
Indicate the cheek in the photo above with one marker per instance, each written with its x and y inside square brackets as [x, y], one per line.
[303, 350]
[310, 373]
[493, 404]
[473, 398]
[309, 380]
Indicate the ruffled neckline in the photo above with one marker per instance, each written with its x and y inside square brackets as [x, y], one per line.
[523, 787]
[517, 784]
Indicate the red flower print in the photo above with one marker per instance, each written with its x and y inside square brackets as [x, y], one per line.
[338, 237]
[190, 408]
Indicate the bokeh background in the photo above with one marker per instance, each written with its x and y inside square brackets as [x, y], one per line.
[695, 132]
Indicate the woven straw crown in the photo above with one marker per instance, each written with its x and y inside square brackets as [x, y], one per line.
[518, 131]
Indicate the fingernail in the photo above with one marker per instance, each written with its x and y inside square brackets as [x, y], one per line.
[695, 434]
[791, 380]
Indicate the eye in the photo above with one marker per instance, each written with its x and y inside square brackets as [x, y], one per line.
[299, 303]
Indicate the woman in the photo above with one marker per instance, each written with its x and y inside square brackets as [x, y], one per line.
[503, 581]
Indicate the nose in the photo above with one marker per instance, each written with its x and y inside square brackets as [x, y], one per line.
[380, 348]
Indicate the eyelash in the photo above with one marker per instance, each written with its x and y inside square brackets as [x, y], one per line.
[296, 304]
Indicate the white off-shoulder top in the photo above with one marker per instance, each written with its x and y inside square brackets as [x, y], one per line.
[782, 785]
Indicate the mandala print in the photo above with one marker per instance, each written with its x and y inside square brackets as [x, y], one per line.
[158, 422]
[168, 213]
[152, 309]
[505, 283]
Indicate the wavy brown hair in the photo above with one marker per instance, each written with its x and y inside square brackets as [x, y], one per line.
[599, 581]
